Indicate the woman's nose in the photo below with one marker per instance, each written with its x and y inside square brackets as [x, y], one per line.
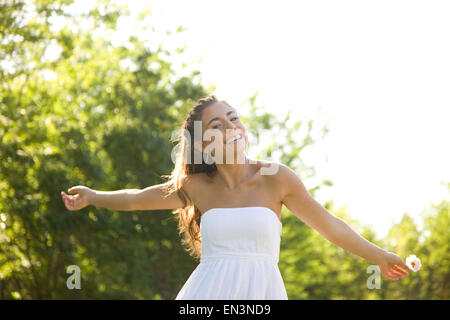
[230, 125]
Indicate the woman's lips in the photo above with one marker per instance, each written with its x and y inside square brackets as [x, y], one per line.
[234, 139]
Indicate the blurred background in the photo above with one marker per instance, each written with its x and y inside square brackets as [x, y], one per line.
[355, 93]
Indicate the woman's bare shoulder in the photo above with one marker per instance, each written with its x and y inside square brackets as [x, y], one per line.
[196, 178]
[273, 172]
[193, 182]
[269, 167]
[188, 181]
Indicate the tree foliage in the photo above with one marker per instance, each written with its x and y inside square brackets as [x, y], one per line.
[98, 115]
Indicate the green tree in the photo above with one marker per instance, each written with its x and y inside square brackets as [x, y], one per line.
[98, 115]
[431, 244]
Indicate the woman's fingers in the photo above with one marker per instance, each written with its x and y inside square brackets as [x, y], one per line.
[401, 270]
[390, 276]
[68, 196]
[68, 200]
[72, 190]
[395, 276]
[65, 195]
[397, 272]
[403, 266]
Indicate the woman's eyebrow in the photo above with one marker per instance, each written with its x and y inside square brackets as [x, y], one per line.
[216, 118]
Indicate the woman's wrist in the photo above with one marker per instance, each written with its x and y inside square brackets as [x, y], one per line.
[90, 196]
[381, 256]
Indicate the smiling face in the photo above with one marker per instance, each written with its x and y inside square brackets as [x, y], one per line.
[221, 121]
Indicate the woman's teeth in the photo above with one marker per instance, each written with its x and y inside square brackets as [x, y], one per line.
[234, 139]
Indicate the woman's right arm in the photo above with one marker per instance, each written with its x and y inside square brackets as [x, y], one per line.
[155, 198]
[151, 198]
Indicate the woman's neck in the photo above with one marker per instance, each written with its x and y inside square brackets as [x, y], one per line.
[233, 174]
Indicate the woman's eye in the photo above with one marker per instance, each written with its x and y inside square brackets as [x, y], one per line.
[218, 125]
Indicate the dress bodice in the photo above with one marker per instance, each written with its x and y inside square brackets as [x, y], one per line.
[242, 232]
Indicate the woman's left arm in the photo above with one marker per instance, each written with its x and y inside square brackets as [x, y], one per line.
[298, 200]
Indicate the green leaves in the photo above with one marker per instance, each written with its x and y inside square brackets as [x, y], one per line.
[91, 122]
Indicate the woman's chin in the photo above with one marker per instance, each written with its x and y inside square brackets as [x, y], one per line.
[238, 156]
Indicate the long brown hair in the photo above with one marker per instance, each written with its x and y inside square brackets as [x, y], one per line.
[189, 215]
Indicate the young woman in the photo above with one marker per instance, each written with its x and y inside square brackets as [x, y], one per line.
[229, 209]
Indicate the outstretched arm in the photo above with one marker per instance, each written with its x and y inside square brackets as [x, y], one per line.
[154, 197]
[298, 200]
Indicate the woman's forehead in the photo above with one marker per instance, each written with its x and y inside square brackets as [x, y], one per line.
[217, 110]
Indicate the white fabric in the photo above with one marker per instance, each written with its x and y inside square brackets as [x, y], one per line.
[240, 251]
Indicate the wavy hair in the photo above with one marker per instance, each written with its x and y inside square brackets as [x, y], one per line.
[189, 215]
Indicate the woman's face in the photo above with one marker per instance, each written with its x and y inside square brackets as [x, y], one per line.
[221, 121]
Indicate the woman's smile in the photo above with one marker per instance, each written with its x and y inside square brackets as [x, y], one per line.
[234, 139]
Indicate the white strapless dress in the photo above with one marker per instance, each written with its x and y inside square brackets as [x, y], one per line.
[240, 251]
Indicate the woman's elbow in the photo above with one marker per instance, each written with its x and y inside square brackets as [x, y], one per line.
[335, 229]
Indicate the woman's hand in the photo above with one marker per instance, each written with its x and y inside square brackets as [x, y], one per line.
[79, 200]
[393, 267]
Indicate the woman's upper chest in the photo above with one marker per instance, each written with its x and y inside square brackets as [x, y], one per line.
[260, 190]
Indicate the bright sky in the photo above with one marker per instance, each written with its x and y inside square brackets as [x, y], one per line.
[379, 71]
